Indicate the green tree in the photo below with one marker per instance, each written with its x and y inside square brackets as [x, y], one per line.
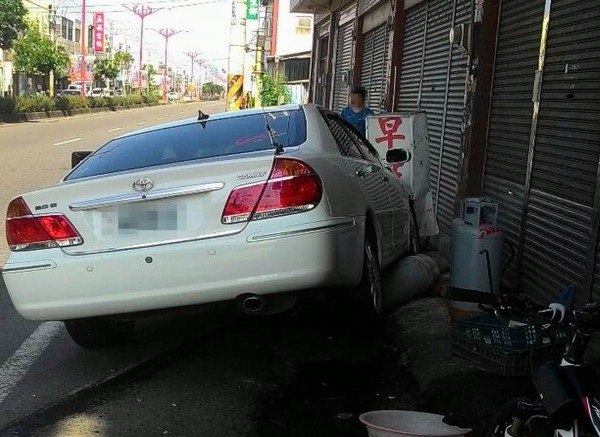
[152, 87]
[273, 90]
[212, 89]
[12, 21]
[37, 54]
[122, 59]
[106, 69]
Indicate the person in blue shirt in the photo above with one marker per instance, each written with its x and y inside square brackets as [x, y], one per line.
[356, 112]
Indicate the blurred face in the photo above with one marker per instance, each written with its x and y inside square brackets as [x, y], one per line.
[356, 101]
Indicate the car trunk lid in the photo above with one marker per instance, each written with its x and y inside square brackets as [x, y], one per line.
[150, 207]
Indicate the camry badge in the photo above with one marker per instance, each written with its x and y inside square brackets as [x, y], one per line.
[143, 184]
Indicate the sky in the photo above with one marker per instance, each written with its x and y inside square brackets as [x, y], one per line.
[205, 25]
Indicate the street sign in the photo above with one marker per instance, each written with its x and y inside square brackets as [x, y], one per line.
[252, 9]
[99, 31]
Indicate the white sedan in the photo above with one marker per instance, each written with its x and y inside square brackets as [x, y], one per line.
[248, 207]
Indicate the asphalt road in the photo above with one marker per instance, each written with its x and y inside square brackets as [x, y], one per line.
[311, 372]
[39, 364]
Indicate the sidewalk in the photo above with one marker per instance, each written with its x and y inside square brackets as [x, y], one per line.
[447, 384]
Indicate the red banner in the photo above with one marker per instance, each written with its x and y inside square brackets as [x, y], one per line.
[98, 31]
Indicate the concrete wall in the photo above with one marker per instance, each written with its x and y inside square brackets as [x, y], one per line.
[6, 72]
[290, 38]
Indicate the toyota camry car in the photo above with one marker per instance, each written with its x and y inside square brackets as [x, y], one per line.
[249, 206]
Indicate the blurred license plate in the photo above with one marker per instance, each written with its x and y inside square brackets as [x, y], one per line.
[151, 216]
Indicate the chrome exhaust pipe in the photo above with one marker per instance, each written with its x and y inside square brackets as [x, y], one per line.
[253, 303]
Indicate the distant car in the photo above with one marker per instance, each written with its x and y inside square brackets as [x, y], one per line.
[101, 92]
[77, 87]
[70, 92]
[248, 206]
[187, 98]
[173, 95]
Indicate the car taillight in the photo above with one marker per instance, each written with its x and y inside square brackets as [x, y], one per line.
[24, 231]
[292, 187]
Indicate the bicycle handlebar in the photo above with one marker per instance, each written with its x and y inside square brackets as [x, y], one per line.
[523, 304]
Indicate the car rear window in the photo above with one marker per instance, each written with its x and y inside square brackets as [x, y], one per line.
[193, 141]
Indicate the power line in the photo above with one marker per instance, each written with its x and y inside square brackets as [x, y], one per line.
[176, 6]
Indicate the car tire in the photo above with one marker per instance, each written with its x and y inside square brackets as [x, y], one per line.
[371, 285]
[99, 332]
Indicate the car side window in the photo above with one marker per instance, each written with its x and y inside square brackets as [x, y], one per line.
[367, 150]
[345, 142]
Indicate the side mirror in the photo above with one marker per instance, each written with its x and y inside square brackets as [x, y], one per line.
[77, 157]
[397, 156]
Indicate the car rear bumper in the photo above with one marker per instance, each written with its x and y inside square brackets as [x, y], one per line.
[57, 286]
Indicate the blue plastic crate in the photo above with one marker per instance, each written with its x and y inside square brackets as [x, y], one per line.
[503, 362]
[511, 334]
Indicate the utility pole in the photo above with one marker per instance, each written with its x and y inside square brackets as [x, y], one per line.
[193, 56]
[83, 49]
[141, 11]
[237, 55]
[166, 33]
[200, 63]
[52, 31]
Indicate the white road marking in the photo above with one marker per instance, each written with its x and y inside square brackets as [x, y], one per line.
[142, 122]
[73, 140]
[115, 129]
[15, 368]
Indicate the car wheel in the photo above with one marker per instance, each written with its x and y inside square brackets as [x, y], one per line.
[371, 285]
[99, 332]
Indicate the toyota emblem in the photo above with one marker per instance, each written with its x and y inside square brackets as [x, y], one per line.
[143, 184]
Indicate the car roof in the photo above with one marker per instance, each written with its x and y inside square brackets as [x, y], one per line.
[218, 116]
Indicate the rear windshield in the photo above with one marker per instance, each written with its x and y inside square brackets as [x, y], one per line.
[207, 139]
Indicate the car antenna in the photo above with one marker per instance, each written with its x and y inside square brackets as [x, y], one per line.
[202, 117]
[278, 147]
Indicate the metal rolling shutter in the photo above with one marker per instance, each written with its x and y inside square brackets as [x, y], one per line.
[517, 50]
[558, 235]
[432, 79]
[367, 64]
[343, 61]
[375, 54]
[410, 72]
[450, 145]
[433, 88]
[565, 161]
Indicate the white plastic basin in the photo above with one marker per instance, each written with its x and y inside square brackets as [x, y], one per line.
[394, 423]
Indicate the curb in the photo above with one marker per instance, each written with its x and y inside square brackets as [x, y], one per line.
[448, 385]
[32, 116]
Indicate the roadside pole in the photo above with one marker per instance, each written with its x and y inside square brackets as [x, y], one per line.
[83, 49]
[237, 55]
[258, 63]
